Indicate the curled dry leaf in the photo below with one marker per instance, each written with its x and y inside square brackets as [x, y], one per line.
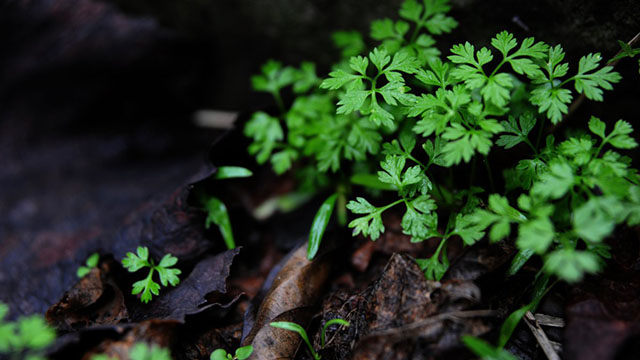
[94, 300]
[189, 297]
[295, 289]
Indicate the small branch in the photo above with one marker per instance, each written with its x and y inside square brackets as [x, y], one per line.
[541, 337]
[548, 320]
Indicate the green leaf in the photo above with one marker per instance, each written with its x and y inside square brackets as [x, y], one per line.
[306, 78]
[411, 10]
[519, 260]
[597, 126]
[35, 333]
[620, 138]
[592, 83]
[337, 321]
[556, 182]
[571, 265]
[266, 132]
[228, 172]
[219, 354]
[133, 262]
[244, 352]
[504, 42]
[340, 78]
[217, 214]
[510, 324]
[371, 181]
[440, 23]
[553, 101]
[536, 234]
[319, 225]
[350, 42]
[297, 329]
[468, 229]
[485, 350]
[273, 77]
[142, 351]
[147, 287]
[519, 130]
[370, 225]
[597, 218]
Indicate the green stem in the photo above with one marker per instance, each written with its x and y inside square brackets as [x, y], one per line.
[473, 171]
[342, 205]
[278, 99]
[540, 132]
[504, 60]
[528, 142]
[489, 174]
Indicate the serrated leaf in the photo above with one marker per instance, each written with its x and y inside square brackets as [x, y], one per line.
[536, 234]
[556, 182]
[597, 126]
[571, 265]
[319, 225]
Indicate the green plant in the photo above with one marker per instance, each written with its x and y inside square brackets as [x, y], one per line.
[217, 211]
[92, 261]
[240, 354]
[286, 325]
[445, 114]
[27, 336]
[168, 275]
[141, 351]
[626, 51]
[403, 123]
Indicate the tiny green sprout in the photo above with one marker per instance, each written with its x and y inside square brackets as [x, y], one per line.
[286, 325]
[92, 261]
[484, 350]
[319, 225]
[143, 351]
[134, 262]
[242, 353]
[28, 335]
[217, 212]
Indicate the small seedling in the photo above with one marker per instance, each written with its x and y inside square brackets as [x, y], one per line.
[319, 225]
[91, 262]
[217, 212]
[147, 286]
[286, 325]
[28, 335]
[626, 51]
[242, 353]
[141, 351]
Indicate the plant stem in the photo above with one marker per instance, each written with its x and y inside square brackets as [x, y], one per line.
[540, 132]
[489, 174]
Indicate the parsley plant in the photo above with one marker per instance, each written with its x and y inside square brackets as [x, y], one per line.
[168, 275]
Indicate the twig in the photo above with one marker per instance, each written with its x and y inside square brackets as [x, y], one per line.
[454, 315]
[548, 320]
[541, 337]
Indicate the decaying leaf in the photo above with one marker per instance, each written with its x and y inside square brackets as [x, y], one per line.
[189, 297]
[94, 300]
[295, 289]
[402, 315]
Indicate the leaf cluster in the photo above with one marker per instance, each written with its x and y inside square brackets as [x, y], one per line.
[148, 287]
[27, 335]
